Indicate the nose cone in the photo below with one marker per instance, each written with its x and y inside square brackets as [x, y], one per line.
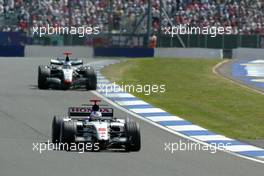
[67, 81]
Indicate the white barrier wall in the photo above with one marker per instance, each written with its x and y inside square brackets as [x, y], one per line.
[248, 53]
[57, 51]
[189, 53]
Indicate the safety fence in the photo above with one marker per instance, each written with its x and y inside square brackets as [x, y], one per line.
[125, 45]
[218, 42]
[124, 52]
[130, 41]
[90, 52]
[12, 51]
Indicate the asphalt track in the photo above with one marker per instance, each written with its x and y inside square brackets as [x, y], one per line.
[25, 117]
[227, 70]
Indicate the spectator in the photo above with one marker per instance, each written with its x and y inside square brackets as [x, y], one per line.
[1, 7]
[245, 16]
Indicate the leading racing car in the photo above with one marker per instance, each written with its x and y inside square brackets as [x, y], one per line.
[92, 124]
[66, 74]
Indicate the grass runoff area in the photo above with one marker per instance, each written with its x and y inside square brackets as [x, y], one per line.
[195, 93]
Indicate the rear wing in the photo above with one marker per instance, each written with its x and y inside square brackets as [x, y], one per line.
[86, 111]
[56, 62]
[76, 62]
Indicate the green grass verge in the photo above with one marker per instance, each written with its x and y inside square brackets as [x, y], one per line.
[194, 93]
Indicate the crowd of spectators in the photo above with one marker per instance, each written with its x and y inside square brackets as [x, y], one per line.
[245, 16]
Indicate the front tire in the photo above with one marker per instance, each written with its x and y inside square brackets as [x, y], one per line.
[68, 133]
[43, 74]
[56, 129]
[133, 136]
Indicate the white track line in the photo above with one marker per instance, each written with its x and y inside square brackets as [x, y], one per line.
[147, 110]
[187, 128]
[128, 103]
[164, 118]
[212, 137]
[242, 148]
[121, 95]
[258, 80]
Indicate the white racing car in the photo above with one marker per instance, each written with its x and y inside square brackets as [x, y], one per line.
[66, 74]
[92, 124]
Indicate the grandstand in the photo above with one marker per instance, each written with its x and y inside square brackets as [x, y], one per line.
[246, 15]
[131, 18]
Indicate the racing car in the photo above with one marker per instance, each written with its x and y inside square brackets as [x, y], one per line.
[65, 74]
[93, 124]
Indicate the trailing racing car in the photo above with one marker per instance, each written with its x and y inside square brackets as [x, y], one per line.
[65, 74]
[92, 124]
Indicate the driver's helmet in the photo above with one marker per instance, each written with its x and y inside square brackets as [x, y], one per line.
[95, 115]
[95, 107]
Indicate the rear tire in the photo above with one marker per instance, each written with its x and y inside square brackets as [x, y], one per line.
[56, 129]
[43, 74]
[91, 79]
[133, 136]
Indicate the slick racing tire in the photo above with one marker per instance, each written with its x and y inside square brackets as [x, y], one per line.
[65, 87]
[68, 133]
[56, 129]
[91, 79]
[43, 74]
[133, 136]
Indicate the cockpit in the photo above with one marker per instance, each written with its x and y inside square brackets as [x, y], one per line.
[66, 65]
